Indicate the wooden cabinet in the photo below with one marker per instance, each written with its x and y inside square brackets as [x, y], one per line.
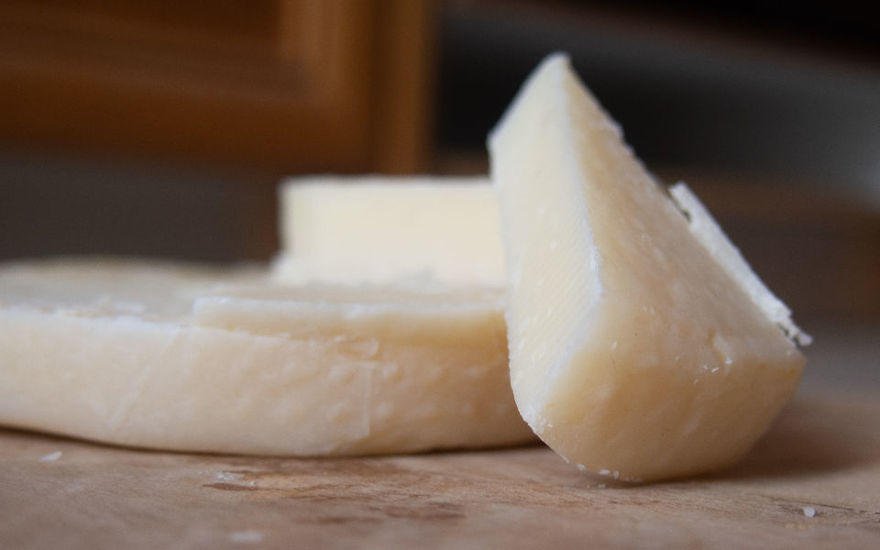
[288, 85]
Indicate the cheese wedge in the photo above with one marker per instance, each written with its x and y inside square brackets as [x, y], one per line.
[196, 360]
[642, 346]
[414, 231]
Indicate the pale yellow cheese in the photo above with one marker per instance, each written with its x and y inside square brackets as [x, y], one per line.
[640, 347]
[412, 231]
[197, 360]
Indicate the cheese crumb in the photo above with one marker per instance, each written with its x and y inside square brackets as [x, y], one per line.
[228, 476]
[51, 457]
[246, 537]
[809, 511]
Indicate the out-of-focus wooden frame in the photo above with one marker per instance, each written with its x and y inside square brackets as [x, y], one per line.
[287, 85]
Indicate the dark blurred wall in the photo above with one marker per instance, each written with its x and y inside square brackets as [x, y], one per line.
[693, 91]
[62, 204]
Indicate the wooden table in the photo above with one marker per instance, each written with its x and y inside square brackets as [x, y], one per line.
[823, 456]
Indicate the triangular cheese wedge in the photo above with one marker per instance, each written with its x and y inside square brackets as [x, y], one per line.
[640, 346]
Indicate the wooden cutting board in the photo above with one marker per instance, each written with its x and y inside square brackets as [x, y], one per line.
[823, 456]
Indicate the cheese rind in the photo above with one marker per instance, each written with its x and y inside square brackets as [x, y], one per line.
[707, 231]
[377, 230]
[196, 360]
[633, 349]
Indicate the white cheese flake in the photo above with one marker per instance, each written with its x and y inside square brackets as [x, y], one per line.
[51, 457]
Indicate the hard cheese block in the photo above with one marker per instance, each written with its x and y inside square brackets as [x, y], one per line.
[642, 346]
[194, 360]
[416, 231]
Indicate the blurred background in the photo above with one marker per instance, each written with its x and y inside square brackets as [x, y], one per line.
[160, 128]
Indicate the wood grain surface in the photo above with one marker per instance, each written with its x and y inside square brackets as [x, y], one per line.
[822, 455]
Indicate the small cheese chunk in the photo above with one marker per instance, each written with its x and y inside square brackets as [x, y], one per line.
[413, 231]
[639, 344]
[196, 360]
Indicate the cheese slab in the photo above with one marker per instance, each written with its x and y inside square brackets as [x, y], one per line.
[640, 346]
[199, 360]
[415, 231]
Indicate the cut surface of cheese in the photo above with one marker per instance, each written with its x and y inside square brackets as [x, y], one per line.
[640, 347]
[380, 230]
[200, 360]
